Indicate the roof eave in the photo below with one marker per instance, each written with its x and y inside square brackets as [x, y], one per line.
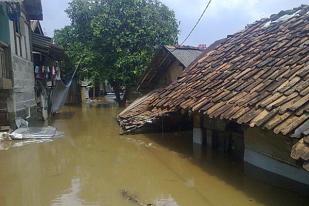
[33, 9]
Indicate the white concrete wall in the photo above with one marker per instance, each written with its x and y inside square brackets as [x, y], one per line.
[271, 152]
[280, 168]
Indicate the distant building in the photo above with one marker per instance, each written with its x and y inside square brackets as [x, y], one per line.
[167, 64]
[16, 71]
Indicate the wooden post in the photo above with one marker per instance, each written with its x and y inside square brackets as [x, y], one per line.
[197, 135]
[209, 138]
[93, 92]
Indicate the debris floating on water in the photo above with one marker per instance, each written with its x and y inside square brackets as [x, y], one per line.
[159, 202]
[35, 133]
[133, 198]
[28, 135]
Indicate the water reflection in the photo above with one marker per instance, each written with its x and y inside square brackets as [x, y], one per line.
[9, 144]
[92, 164]
[71, 197]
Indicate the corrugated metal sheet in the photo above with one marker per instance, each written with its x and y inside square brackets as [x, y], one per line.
[184, 55]
[41, 41]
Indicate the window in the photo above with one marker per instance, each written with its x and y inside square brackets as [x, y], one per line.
[22, 42]
[18, 49]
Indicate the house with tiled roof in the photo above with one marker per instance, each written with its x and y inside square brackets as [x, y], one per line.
[249, 96]
[167, 64]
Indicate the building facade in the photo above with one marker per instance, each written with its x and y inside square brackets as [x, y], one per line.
[16, 62]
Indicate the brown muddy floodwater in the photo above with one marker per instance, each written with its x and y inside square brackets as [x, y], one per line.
[92, 164]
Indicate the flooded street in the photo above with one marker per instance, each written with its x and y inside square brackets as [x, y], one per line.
[92, 164]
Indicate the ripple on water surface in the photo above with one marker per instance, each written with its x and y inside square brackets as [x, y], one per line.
[92, 164]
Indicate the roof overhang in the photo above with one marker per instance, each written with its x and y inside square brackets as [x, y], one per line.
[45, 46]
[33, 9]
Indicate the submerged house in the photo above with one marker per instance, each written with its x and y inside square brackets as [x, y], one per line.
[16, 71]
[167, 64]
[249, 96]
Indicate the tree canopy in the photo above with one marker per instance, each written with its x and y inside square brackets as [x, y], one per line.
[116, 38]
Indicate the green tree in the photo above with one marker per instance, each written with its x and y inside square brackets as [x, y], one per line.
[116, 38]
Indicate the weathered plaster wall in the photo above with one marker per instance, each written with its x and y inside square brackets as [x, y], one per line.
[23, 97]
[282, 169]
[271, 152]
[23, 83]
[173, 71]
[268, 143]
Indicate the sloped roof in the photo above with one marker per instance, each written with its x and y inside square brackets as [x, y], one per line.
[184, 54]
[137, 114]
[258, 76]
[44, 44]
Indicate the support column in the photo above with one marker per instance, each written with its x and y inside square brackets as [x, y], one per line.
[197, 136]
[209, 138]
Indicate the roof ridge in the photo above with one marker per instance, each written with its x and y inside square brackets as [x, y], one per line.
[185, 47]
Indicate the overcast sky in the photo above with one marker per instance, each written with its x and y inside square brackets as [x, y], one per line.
[223, 17]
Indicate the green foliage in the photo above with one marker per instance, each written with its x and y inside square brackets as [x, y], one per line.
[116, 38]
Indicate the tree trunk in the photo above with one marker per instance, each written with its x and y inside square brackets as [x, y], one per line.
[121, 101]
[93, 92]
[104, 89]
[117, 94]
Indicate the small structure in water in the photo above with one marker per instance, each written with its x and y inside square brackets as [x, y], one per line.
[249, 96]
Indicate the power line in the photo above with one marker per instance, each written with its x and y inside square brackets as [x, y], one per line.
[198, 21]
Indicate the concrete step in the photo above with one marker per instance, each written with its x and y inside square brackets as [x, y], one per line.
[4, 118]
[5, 129]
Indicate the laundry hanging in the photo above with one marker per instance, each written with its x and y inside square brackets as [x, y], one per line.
[60, 92]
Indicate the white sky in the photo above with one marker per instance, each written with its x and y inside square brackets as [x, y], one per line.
[223, 17]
